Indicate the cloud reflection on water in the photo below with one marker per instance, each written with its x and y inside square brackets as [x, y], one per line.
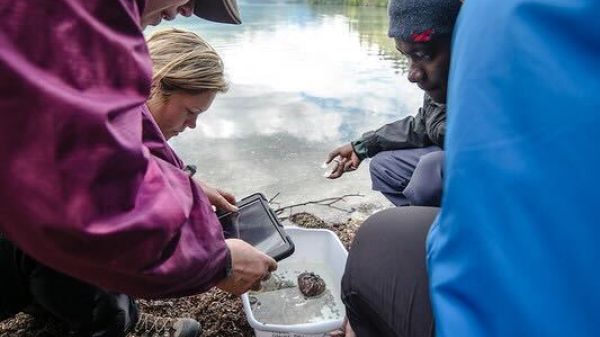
[303, 81]
[317, 78]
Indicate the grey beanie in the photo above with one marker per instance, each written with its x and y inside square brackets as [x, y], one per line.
[420, 20]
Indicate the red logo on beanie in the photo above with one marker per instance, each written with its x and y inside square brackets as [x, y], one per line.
[423, 36]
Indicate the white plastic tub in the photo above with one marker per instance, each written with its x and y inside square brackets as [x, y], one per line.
[312, 246]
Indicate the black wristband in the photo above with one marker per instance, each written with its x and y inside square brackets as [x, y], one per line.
[228, 264]
[190, 169]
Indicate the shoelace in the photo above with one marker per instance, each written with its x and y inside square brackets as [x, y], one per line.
[147, 324]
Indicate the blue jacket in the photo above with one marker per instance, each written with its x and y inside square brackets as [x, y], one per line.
[516, 249]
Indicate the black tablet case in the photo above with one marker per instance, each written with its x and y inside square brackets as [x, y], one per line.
[254, 211]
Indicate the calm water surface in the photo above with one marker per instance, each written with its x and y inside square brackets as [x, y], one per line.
[304, 79]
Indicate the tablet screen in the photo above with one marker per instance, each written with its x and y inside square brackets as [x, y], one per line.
[255, 227]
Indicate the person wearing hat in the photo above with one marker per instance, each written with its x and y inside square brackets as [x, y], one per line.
[222, 11]
[407, 155]
[385, 283]
[91, 210]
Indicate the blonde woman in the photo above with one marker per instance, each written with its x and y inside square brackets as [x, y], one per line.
[187, 75]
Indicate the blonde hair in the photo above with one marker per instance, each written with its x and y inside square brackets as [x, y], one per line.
[183, 61]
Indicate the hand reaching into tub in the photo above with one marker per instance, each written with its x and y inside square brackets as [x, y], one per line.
[248, 267]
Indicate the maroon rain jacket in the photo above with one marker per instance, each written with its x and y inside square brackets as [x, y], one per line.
[82, 190]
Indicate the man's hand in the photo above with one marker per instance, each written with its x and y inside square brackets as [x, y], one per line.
[346, 158]
[220, 199]
[248, 267]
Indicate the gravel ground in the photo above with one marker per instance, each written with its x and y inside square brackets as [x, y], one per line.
[219, 313]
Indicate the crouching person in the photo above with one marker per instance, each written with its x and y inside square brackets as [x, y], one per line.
[385, 286]
[407, 155]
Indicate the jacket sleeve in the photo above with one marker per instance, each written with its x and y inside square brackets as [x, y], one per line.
[426, 128]
[435, 125]
[80, 192]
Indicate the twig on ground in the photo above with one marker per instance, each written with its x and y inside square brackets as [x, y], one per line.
[275, 196]
[328, 202]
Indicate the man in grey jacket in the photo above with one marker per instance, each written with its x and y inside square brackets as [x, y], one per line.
[407, 155]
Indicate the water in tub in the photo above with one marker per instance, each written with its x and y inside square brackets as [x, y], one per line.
[281, 302]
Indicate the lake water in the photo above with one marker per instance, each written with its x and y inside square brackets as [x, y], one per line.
[304, 79]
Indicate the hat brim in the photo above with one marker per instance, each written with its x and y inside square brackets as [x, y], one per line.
[223, 11]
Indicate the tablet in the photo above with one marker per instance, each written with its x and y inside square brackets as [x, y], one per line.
[257, 224]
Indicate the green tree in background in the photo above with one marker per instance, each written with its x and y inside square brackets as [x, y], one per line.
[375, 3]
[371, 25]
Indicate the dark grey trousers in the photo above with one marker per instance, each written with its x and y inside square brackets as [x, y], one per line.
[409, 176]
[385, 285]
[85, 309]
